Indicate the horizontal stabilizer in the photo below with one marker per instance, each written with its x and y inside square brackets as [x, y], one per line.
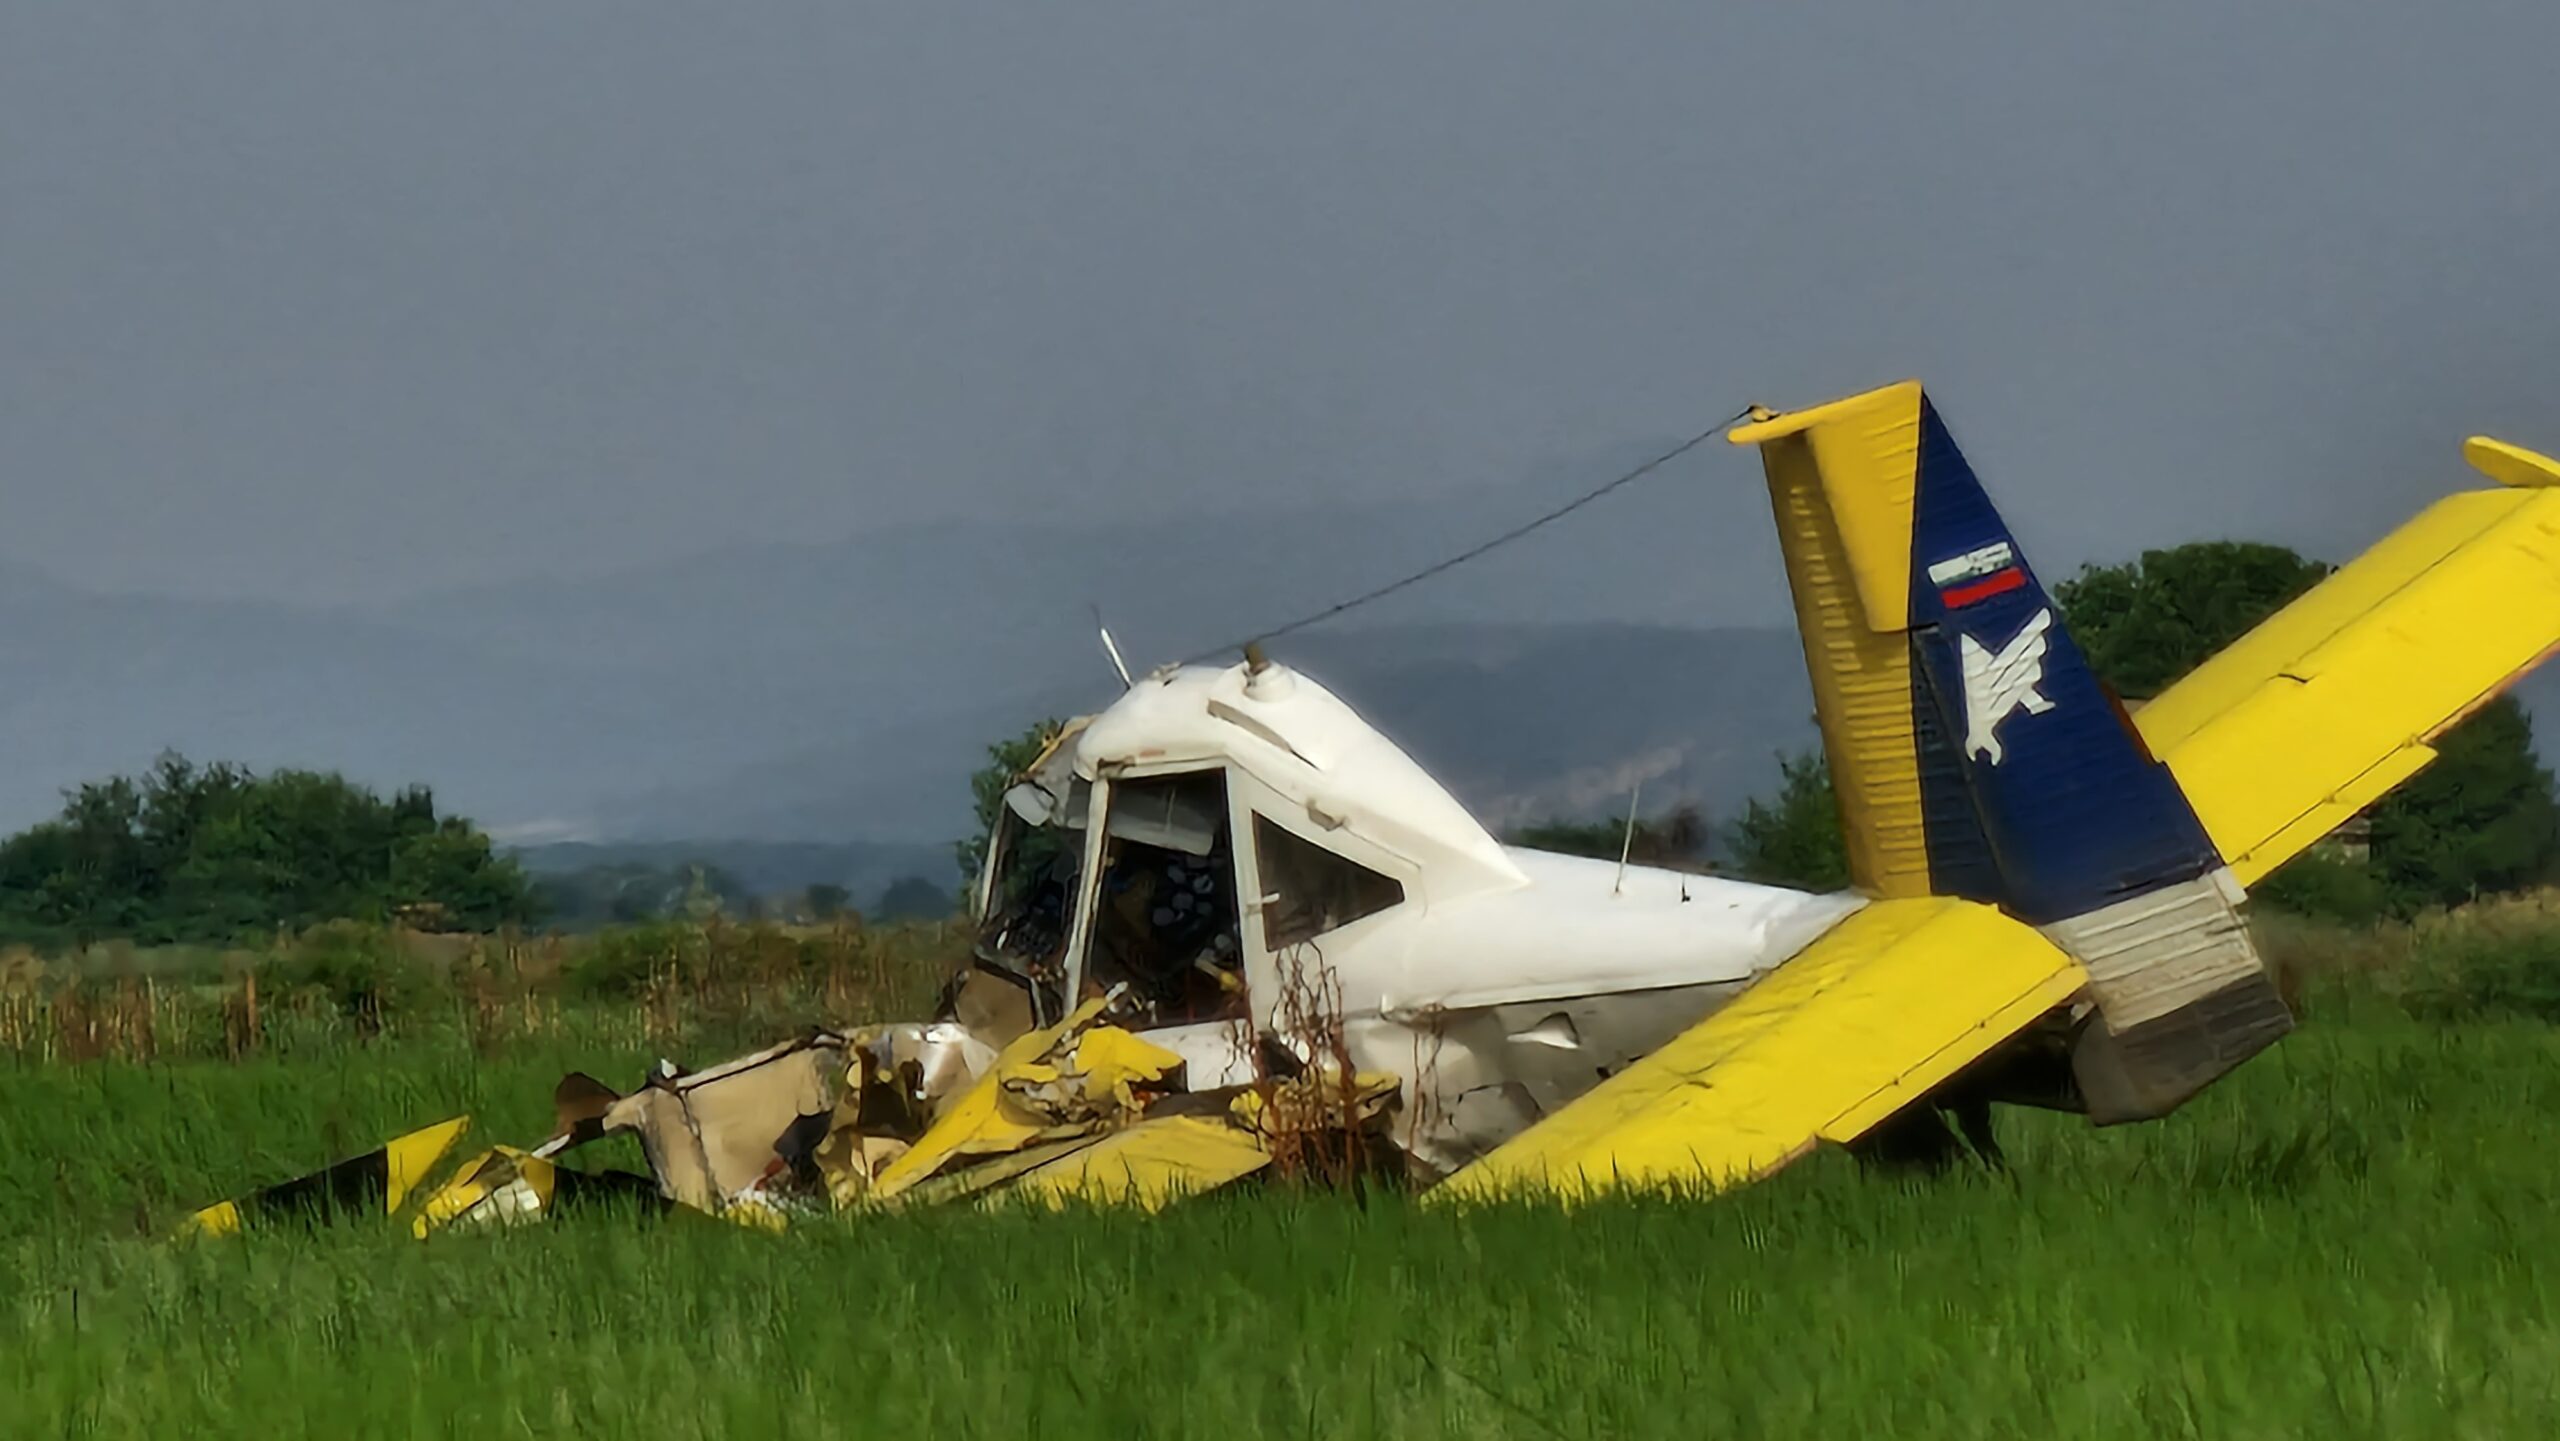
[1875, 1014]
[2332, 701]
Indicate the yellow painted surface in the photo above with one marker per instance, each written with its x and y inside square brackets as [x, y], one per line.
[1841, 480]
[2332, 700]
[481, 1177]
[410, 1159]
[220, 1219]
[980, 1122]
[1114, 1062]
[2510, 464]
[1894, 1000]
[991, 1173]
[1149, 1165]
[1867, 450]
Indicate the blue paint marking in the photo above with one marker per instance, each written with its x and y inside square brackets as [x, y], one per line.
[2072, 815]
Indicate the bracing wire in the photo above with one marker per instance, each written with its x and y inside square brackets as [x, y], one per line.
[1461, 558]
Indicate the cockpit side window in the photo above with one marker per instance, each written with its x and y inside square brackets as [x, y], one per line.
[1308, 890]
[1165, 918]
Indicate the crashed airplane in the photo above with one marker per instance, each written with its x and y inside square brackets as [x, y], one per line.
[1225, 922]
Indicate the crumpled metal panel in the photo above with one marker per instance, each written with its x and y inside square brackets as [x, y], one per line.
[1069, 1079]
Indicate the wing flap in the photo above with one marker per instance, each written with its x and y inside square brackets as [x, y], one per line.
[1893, 1001]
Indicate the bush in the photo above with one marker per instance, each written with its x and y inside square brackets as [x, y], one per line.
[2462, 973]
[218, 853]
[2328, 889]
[620, 964]
[360, 970]
[1795, 840]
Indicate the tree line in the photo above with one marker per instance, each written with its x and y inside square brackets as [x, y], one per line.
[219, 853]
[2480, 820]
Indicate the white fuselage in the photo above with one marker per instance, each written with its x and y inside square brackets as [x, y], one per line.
[1497, 983]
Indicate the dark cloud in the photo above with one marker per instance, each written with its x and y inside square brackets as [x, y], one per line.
[328, 303]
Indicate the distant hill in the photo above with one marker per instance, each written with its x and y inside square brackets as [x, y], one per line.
[1521, 722]
[842, 691]
[762, 868]
[1520, 718]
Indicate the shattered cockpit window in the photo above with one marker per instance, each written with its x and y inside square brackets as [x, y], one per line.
[1038, 857]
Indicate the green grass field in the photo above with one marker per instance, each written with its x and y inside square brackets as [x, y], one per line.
[2352, 1237]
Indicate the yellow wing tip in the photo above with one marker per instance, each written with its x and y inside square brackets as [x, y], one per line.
[1766, 425]
[2510, 464]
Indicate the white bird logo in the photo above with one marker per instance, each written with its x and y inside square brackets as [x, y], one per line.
[1995, 685]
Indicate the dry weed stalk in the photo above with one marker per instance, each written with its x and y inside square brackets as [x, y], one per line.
[242, 1029]
[1311, 1120]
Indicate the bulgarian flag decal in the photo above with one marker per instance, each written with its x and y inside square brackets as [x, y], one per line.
[1977, 575]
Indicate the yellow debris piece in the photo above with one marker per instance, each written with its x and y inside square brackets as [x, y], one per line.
[1067, 1080]
[1883, 1008]
[988, 1174]
[756, 1214]
[220, 1219]
[409, 1160]
[2332, 701]
[1114, 1062]
[1150, 1165]
[502, 1184]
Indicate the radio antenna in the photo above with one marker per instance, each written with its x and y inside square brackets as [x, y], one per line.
[1629, 844]
[1110, 648]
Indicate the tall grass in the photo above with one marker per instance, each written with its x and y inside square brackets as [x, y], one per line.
[2347, 1238]
[672, 985]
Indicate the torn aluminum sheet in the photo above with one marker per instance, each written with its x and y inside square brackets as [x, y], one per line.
[505, 1185]
[718, 1134]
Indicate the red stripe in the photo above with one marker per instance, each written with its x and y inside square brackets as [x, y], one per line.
[1990, 585]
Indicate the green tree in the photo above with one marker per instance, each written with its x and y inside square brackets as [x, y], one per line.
[1794, 839]
[449, 874]
[2146, 623]
[827, 901]
[1006, 762]
[913, 898]
[212, 853]
[2480, 819]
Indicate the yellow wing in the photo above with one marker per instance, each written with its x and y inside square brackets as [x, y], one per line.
[1888, 1004]
[2331, 701]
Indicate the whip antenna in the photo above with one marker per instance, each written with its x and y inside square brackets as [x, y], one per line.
[1629, 844]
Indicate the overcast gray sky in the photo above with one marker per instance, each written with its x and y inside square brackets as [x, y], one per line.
[326, 302]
